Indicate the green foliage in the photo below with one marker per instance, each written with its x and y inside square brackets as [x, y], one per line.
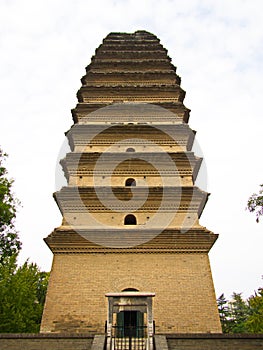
[254, 321]
[9, 241]
[239, 312]
[255, 203]
[241, 316]
[224, 313]
[22, 296]
[22, 288]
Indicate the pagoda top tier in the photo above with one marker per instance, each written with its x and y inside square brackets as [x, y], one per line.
[130, 68]
[141, 48]
[139, 35]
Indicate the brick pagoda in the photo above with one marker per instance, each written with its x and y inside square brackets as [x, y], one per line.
[130, 233]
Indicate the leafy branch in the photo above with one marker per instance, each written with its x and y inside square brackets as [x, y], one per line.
[255, 203]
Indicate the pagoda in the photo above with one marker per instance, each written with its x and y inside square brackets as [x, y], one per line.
[130, 251]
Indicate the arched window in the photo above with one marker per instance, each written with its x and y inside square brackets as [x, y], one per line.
[130, 220]
[130, 290]
[130, 149]
[130, 182]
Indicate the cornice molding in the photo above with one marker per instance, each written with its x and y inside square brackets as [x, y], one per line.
[173, 242]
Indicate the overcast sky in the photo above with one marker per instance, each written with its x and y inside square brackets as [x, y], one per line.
[217, 47]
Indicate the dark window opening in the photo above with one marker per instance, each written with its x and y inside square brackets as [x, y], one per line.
[130, 220]
[130, 149]
[130, 290]
[130, 182]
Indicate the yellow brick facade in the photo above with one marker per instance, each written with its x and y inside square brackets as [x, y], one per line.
[182, 282]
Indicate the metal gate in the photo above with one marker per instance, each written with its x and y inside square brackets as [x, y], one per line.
[129, 337]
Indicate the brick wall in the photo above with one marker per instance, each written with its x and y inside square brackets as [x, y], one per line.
[45, 341]
[215, 342]
[175, 342]
[184, 302]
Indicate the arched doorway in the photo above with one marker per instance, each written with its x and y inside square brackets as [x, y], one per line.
[130, 320]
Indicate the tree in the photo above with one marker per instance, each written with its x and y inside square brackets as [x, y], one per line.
[224, 313]
[239, 312]
[22, 296]
[233, 314]
[255, 203]
[22, 288]
[9, 241]
[241, 316]
[254, 322]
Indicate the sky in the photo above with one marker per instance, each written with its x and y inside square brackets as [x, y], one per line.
[217, 47]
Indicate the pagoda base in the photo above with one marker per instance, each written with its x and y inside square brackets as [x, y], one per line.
[182, 282]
